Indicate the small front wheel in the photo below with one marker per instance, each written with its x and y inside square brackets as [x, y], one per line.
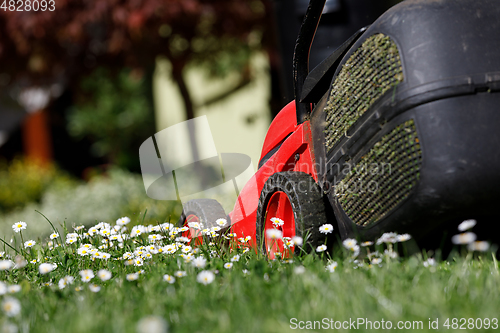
[292, 204]
[204, 213]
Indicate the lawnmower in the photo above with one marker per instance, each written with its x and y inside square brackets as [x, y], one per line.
[397, 130]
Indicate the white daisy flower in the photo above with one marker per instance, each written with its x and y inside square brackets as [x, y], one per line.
[170, 249]
[235, 258]
[65, 281]
[127, 255]
[277, 222]
[45, 268]
[464, 238]
[132, 276]
[182, 239]
[137, 230]
[180, 273]
[152, 324]
[103, 225]
[466, 225]
[299, 270]
[430, 262]
[11, 306]
[166, 226]
[480, 246]
[326, 228]
[6, 264]
[29, 243]
[78, 228]
[152, 249]
[205, 277]
[186, 249]
[169, 278]
[104, 274]
[20, 262]
[139, 252]
[70, 240]
[321, 248]
[376, 261]
[274, 234]
[297, 240]
[19, 226]
[331, 266]
[87, 275]
[105, 232]
[155, 228]
[92, 231]
[122, 221]
[391, 254]
[367, 243]
[116, 238]
[194, 225]
[221, 222]
[355, 250]
[155, 237]
[12, 289]
[138, 262]
[199, 262]
[403, 237]
[349, 243]
[287, 242]
[3, 288]
[228, 265]
[388, 237]
[54, 235]
[94, 288]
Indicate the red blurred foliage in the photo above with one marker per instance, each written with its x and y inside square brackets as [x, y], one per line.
[80, 34]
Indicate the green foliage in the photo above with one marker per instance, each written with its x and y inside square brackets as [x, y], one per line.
[104, 198]
[114, 112]
[23, 181]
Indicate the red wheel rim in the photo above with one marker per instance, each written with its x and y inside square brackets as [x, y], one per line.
[193, 232]
[279, 206]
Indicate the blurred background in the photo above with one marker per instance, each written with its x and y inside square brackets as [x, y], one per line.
[82, 87]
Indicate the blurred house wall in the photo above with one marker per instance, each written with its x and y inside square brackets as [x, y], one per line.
[238, 122]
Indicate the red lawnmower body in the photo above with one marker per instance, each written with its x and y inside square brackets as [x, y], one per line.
[293, 152]
[403, 137]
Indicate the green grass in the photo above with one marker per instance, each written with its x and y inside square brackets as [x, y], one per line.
[264, 300]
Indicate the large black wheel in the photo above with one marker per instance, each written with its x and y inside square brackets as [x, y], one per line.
[296, 200]
[205, 212]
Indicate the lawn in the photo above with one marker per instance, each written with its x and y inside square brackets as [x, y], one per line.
[148, 278]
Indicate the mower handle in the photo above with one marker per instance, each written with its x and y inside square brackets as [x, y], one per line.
[301, 55]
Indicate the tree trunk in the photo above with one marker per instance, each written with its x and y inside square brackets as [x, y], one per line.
[178, 74]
